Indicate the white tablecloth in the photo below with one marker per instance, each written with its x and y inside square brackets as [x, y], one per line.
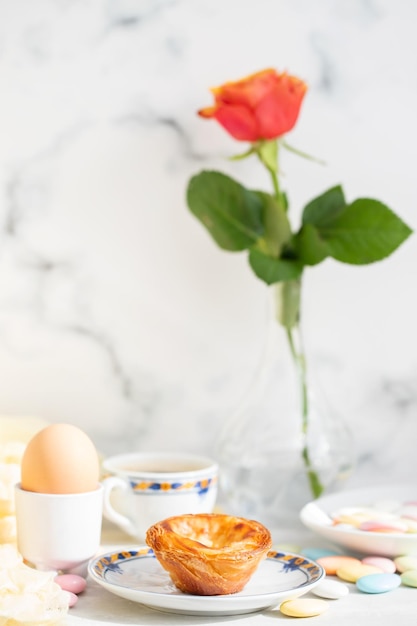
[98, 607]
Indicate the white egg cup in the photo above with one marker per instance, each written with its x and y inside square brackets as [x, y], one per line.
[58, 532]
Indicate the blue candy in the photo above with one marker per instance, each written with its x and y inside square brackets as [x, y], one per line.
[318, 553]
[378, 583]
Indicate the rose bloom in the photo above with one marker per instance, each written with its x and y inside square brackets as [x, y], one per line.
[264, 105]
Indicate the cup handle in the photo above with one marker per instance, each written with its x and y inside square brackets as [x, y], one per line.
[109, 512]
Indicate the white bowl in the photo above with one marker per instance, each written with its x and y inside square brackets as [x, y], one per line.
[316, 516]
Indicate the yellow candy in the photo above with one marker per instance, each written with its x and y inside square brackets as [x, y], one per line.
[351, 572]
[353, 519]
[409, 578]
[404, 563]
[411, 525]
[331, 564]
[303, 607]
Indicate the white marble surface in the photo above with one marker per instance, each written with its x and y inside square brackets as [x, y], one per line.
[101, 608]
[117, 312]
[361, 609]
[98, 607]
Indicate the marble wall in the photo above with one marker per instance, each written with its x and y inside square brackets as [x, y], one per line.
[117, 311]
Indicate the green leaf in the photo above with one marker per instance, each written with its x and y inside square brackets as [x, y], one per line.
[272, 270]
[231, 213]
[363, 232]
[310, 245]
[277, 229]
[366, 231]
[325, 208]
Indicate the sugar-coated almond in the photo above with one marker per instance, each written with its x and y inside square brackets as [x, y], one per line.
[303, 607]
[378, 583]
[318, 553]
[411, 524]
[330, 589]
[331, 564]
[353, 519]
[71, 582]
[383, 526]
[404, 563]
[382, 562]
[351, 572]
[72, 599]
[409, 578]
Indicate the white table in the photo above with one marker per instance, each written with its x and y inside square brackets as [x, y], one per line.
[98, 607]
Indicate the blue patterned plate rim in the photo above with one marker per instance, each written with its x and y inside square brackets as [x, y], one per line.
[135, 574]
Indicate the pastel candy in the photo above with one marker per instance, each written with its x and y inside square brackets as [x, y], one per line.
[386, 516]
[409, 578]
[378, 583]
[303, 607]
[382, 526]
[351, 572]
[403, 563]
[343, 526]
[330, 589]
[383, 563]
[72, 599]
[318, 553]
[352, 519]
[331, 564]
[71, 582]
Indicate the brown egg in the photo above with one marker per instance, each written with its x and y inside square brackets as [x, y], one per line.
[60, 458]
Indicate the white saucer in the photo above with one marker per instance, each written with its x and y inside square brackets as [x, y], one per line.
[136, 575]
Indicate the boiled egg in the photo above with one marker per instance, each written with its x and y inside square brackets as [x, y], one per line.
[60, 458]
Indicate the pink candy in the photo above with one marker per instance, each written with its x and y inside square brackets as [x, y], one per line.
[73, 599]
[385, 564]
[383, 517]
[383, 526]
[73, 584]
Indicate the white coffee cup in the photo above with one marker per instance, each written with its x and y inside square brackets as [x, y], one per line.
[145, 488]
[58, 532]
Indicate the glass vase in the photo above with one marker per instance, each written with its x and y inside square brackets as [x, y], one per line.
[283, 446]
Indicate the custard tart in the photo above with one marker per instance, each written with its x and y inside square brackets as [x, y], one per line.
[209, 554]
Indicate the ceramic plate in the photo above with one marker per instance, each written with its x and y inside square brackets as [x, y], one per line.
[316, 515]
[136, 575]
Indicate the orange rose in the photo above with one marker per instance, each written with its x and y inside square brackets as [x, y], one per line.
[264, 105]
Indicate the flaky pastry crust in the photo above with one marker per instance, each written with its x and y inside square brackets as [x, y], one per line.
[209, 554]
